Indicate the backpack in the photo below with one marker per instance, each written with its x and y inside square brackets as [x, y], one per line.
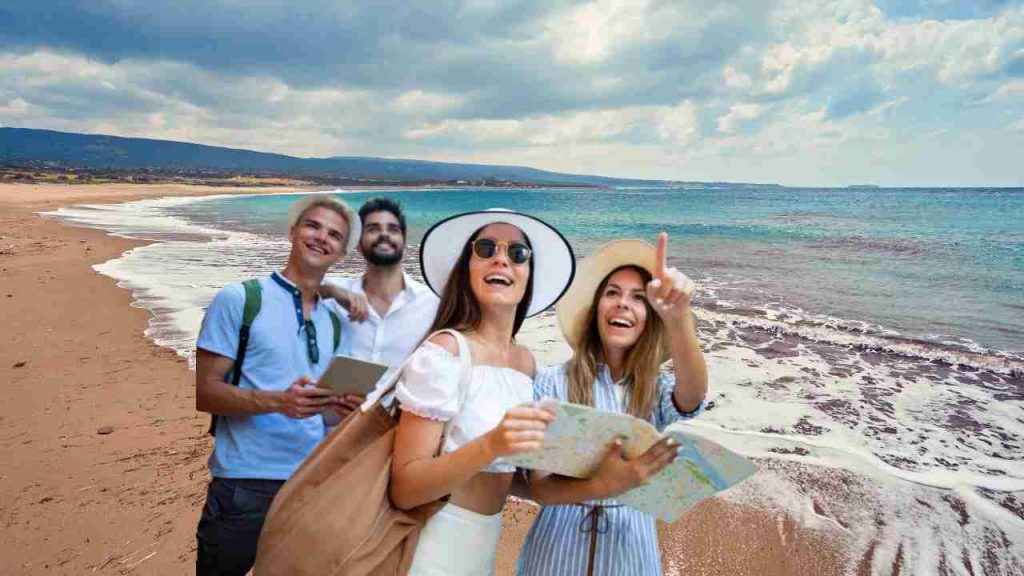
[253, 303]
[334, 517]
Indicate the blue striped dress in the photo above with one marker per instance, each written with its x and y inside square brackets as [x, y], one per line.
[627, 542]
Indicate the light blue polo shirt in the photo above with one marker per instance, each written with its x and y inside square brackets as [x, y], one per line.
[267, 446]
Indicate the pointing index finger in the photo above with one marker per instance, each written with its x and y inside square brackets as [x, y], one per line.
[660, 255]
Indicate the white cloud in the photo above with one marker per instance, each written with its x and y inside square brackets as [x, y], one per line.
[587, 33]
[959, 51]
[644, 124]
[738, 115]
[418, 101]
[13, 110]
[591, 32]
[888, 106]
[956, 53]
[733, 78]
[679, 124]
[779, 63]
[1012, 91]
[539, 131]
[470, 131]
[594, 32]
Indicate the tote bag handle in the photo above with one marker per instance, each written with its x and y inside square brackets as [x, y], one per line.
[465, 360]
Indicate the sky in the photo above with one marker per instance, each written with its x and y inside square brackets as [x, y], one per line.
[800, 92]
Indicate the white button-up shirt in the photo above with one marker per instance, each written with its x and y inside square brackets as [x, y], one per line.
[390, 339]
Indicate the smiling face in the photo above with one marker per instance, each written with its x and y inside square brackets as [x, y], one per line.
[622, 310]
[382, 242]
[497, 281]
[319, 238]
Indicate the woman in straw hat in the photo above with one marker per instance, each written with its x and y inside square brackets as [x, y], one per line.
[491, 269]
[625, 314]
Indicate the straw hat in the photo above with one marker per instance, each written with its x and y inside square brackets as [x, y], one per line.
[554, 263]
[574, 308]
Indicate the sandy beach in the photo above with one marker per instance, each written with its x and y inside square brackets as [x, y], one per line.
[103, 452]
[105, 456]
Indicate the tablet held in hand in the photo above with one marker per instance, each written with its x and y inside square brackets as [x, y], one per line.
[347, 375]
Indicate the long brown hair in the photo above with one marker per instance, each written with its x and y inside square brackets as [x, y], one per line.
[643, 360]
[459, 309]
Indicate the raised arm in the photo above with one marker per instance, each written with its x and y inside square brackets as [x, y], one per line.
[355, 304]
[670, 292]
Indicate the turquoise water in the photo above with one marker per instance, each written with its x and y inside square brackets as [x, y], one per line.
[936, 264]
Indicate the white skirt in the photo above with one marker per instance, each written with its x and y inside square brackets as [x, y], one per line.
[457, 542]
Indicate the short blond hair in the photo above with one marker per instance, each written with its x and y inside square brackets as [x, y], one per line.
[332, 203]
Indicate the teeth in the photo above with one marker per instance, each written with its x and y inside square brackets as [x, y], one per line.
[620, 322]
[499, 279]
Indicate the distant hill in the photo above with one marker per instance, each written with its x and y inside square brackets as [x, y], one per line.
[100, 152]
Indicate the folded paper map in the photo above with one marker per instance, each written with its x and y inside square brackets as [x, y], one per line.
[578, 440]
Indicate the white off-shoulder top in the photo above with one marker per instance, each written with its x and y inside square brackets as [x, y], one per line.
[429, 388]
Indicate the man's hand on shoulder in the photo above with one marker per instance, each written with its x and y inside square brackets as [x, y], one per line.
[355, 304]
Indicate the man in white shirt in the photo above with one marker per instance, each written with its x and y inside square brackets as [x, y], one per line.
[389, 312]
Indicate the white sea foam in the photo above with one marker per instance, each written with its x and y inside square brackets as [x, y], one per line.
[866, 336]
[901, 478]
[142, 219]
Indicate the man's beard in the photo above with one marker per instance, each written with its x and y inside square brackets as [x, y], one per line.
[384, 259]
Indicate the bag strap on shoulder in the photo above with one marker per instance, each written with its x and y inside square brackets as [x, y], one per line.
[336, 321]
[465, 375]
[253, 303]
[465, 360]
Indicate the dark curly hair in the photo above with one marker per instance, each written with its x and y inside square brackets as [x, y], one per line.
[382, 204]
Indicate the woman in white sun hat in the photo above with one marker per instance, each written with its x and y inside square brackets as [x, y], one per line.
[491, 270]
[625, 314]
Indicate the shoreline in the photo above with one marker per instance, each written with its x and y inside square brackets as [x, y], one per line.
[131, 498]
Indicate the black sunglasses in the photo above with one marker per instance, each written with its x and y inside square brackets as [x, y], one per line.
[312, 350]
[517, 253]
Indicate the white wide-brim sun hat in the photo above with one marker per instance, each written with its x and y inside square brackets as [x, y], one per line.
[554, 263]
[574, 308]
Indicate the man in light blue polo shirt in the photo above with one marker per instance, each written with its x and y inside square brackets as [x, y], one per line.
[270, 421]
